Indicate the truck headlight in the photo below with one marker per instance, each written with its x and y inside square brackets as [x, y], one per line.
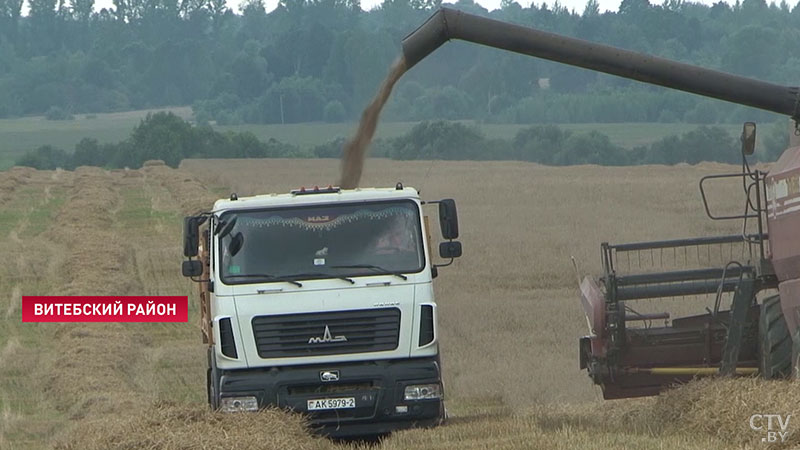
[423, 392]
[236, 404]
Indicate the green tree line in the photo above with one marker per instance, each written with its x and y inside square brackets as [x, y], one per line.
[163, 136]
[167, 137]
[314, 60]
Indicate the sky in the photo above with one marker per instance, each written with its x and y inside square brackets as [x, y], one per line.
[577, 5]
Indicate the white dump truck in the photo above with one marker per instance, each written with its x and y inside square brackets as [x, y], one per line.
[320, 301]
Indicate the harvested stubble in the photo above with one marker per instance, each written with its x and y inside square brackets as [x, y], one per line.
[168, 426]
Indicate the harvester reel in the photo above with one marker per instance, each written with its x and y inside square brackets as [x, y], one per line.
[775, 344]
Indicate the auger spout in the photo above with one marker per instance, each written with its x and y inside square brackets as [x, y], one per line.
[449, 23]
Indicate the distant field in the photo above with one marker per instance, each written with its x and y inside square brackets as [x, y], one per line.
[624, 134]
[20, 135]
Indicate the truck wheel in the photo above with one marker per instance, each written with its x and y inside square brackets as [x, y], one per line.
[775, 343]
[212, 381]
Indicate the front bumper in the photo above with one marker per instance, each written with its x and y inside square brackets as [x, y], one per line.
[377, 386]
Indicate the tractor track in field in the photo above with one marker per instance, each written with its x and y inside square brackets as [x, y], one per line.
[186, 191]
[92, 374]
[77, 370]
[32, 262]
[95, 375]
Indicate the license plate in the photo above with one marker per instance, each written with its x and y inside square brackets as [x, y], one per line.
[331, 403]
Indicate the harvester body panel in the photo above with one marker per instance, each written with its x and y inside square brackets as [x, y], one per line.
[783, 214]
[790, 304]
[783, 219]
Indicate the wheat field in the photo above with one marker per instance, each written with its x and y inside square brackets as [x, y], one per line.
[509, 310]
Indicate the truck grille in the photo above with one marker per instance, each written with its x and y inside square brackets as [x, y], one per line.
[328, 333]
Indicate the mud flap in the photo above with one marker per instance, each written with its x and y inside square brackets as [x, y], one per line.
[585, 350]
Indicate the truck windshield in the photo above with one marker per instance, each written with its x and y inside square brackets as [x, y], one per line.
[321, 242]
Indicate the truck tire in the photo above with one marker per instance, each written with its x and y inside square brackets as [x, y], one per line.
[212, 381]
[775, 343]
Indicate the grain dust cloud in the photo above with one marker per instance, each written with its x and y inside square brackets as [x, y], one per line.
[356, 148]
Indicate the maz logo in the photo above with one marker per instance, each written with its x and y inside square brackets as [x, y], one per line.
[318, 219]
[329, 375]
[326, 337]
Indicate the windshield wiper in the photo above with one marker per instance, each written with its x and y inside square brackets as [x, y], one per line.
[267, 277]
[294, 277]
[319, 274]
[373, 267]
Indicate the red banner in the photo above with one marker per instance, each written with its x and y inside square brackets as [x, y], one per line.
[142, 308]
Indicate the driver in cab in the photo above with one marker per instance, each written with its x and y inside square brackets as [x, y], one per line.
[394, 238]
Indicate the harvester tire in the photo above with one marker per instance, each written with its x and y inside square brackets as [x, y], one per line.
[774, 341]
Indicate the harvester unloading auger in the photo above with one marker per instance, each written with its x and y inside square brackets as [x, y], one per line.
[628, 360]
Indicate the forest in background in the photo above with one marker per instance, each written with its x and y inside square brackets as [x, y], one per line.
[321, 60]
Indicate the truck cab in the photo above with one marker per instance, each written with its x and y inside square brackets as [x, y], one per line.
[321, 301]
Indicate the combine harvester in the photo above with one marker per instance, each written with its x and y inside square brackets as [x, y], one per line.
[747, 337]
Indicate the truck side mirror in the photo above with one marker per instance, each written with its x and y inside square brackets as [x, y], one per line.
[224, 228]
[448, 218]
[193, 268]
[191, 236]
[450, 250]
[748, 138]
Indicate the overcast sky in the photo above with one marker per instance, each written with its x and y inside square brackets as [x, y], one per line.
[577, 5]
